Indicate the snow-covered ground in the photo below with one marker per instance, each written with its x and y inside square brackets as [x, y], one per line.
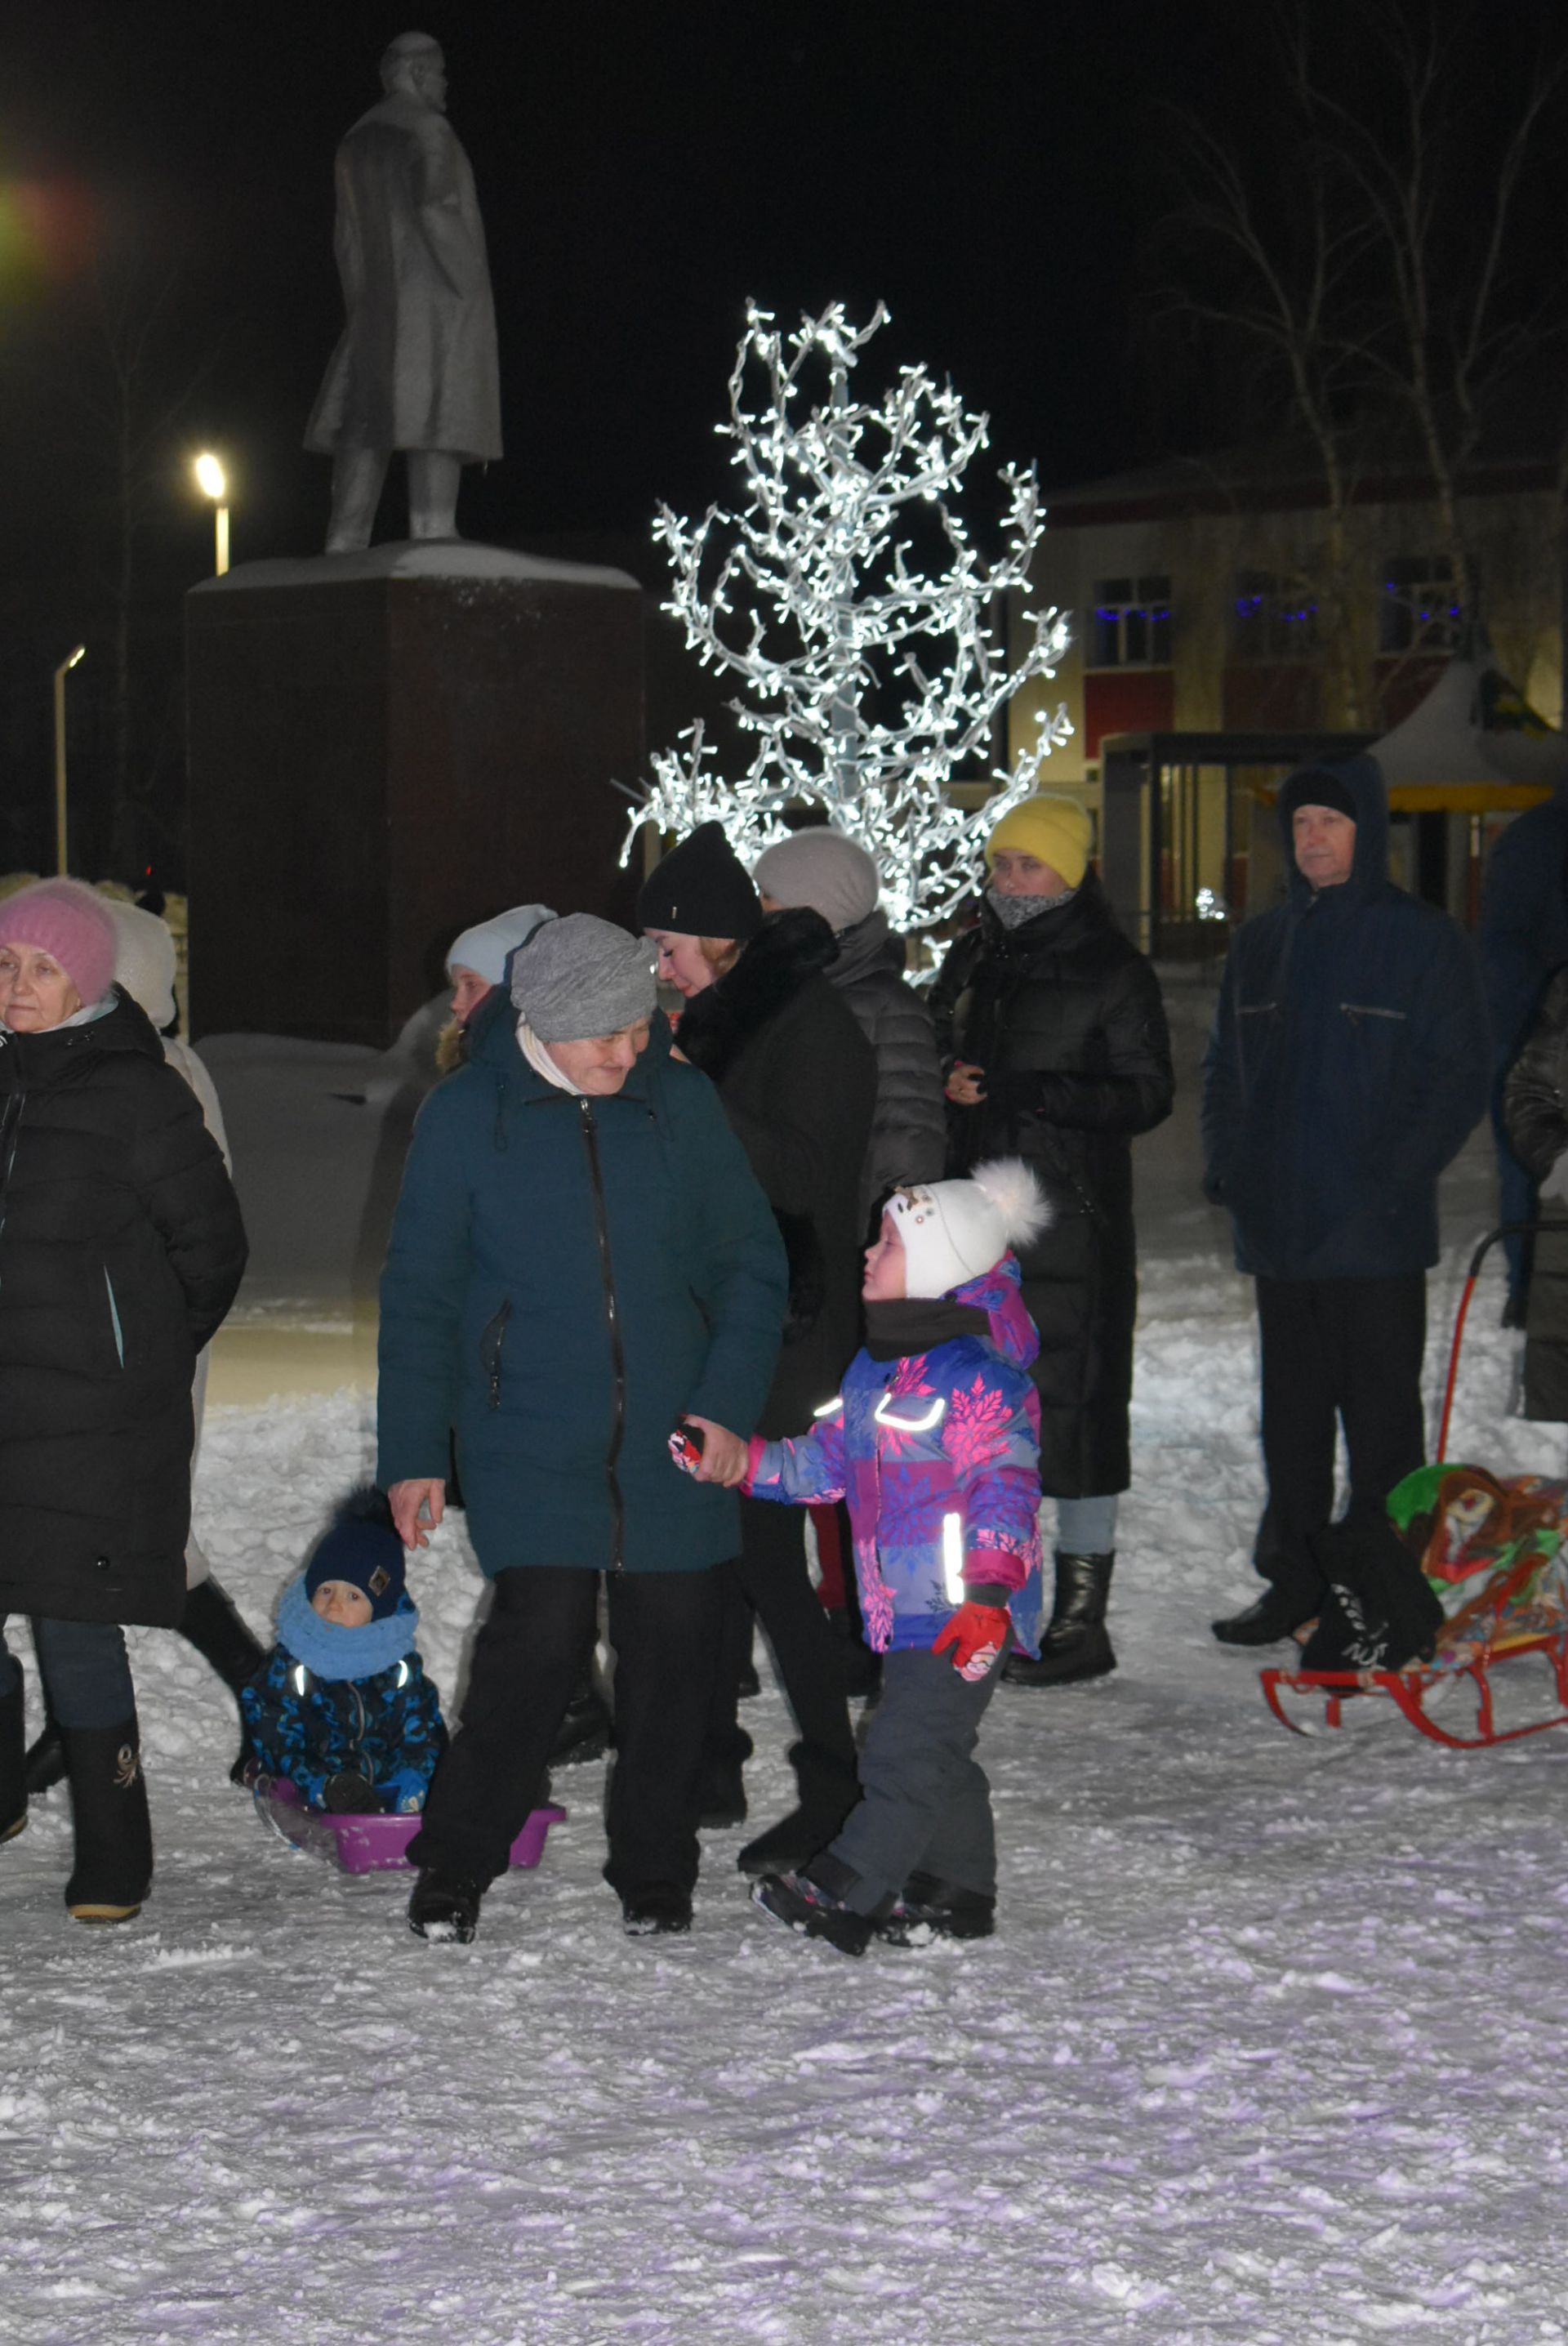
[1270, 2045]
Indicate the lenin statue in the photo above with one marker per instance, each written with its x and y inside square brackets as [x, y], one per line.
[416, 366]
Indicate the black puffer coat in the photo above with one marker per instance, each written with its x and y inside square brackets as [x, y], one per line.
[1535, 1112]
[798, 1080]
[1064, 1016]
[909, 1129]
[121, 1249]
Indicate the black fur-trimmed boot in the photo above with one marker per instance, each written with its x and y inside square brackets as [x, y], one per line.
[113, 1871]
[12, 1765]
[1077, 1644]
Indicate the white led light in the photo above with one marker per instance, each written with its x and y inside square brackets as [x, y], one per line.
[865, 669]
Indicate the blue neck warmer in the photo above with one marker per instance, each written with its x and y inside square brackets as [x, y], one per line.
[333, 1652]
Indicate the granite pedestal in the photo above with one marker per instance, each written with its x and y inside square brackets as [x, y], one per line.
[385, 747]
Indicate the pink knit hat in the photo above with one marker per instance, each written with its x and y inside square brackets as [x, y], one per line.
[71, 920]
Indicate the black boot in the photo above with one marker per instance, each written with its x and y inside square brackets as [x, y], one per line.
[13, 1766]
[929, 1909]
[827, 1793]
[211, 1624]
[113, 1871]
[1076, 1644]
[444, 1906]
[584, 1731]
[45, 1762]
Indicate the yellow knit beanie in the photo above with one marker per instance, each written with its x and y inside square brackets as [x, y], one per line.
[1054, 828]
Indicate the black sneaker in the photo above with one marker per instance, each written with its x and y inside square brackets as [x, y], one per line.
[929, 1910]
[350, 1794]
[444, 1906]
[796, 1900]
[661, 1909]
[1265, 1623]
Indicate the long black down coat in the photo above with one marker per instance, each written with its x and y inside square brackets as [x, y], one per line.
[1064, 1015]
[1535, 1111]
[799, 1082]
[909, 1130]
[121, 1249]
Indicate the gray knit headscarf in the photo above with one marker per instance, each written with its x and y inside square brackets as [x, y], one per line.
[581, 977]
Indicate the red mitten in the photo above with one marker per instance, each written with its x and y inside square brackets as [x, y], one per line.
[977, 1633]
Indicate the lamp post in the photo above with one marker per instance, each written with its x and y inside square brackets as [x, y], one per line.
[213, 481]
[62, 862]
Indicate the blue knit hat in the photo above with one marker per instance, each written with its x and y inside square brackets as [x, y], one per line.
[361, 1547]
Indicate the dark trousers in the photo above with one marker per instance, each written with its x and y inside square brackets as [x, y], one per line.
[925, 1805]
[527, 1658]
[770, 1577]
[86, 1674]
[1335, 1350]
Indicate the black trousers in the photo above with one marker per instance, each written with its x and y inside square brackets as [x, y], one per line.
[527, 1658]
[1335, 1350]
[770, 1577]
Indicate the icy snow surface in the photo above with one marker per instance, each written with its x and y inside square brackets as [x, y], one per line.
[1270, 2046]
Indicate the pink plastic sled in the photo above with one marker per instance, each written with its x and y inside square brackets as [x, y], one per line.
[371, 1844]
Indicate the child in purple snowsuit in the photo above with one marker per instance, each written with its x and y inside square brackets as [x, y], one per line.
[934, 1445]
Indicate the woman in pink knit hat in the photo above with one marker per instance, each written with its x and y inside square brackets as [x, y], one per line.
[121, 1249]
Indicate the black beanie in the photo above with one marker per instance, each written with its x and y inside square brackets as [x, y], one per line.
[701, 889]
[1317, 786]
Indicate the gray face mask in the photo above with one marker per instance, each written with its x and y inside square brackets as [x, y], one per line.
[1013, 910]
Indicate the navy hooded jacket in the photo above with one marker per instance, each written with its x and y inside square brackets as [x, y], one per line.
[1350, 1059]
[566, 1278]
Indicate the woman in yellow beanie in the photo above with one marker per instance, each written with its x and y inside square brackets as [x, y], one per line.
[1056, 1049]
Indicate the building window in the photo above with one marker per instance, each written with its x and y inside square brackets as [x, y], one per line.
[1132, 623]
[1417, 609]
[1275, 617]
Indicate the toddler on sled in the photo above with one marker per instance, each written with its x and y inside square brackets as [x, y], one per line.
[934, 1446]
[342, 1706]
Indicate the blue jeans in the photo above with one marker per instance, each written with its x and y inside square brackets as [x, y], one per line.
[84, 1670]
[1086, 1526]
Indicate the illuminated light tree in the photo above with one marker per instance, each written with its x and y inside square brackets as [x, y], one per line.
[846, 599]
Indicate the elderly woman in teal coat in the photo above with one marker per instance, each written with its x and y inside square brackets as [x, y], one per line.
[581, 1260]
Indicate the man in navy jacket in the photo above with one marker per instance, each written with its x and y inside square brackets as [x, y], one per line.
[1349, 1061]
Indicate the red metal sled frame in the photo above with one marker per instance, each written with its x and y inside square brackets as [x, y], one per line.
[1409, 1688]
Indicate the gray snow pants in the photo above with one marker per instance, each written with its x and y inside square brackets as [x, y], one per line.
[925, 1805]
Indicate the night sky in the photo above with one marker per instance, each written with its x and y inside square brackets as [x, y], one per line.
[995, 174]
[642, 169]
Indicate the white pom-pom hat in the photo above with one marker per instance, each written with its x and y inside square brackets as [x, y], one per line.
[954, 1230]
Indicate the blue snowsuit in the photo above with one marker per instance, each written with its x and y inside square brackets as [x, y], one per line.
[330, 1700]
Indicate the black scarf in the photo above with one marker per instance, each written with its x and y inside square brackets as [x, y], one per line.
[919, 1324]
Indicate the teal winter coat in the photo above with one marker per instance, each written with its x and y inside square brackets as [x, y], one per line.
[566, 1278]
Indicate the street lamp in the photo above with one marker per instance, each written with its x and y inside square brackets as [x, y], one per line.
[213, 481]
[62, 864]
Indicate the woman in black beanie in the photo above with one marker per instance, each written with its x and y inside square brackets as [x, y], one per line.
[798, 1081]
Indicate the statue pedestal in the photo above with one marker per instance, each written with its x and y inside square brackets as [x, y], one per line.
[384, 747]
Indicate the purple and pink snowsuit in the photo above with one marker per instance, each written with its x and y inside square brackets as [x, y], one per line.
[937, 1457]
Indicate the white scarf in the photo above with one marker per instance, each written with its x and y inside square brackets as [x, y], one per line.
[539, 1059]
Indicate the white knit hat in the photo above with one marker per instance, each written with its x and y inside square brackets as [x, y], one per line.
[484, 947]
[144, 960]
[823, 869]
[952, 1231]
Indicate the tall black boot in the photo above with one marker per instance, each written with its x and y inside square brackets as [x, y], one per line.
[46, 1762]
[13, 1780]
[1077, 1644]
[113, 1871]
[827, 1792]
[210, 1623]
